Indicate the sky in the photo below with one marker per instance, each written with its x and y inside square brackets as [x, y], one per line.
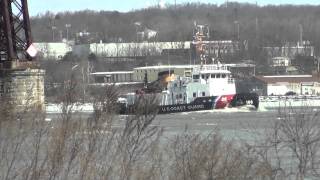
[42, 6]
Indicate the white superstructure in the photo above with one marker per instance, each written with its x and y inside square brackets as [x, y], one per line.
[217, 77]
[206, 80]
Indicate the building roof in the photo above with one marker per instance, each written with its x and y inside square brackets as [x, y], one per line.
[164, 67]
[288, 79]
[240, 65]
[112, 72]
[190, 66]
[281, 58]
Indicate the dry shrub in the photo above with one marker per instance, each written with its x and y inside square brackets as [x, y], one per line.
[102, 146]
[199, 156]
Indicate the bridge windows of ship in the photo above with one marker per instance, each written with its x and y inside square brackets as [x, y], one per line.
[210, 76]
[230, 81]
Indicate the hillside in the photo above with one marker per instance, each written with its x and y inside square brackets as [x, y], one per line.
[261, 26]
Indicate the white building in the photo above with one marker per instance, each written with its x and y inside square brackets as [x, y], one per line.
[53, 50]
[280, 85]
[127, 49]
[58, 50]
[280, 62]
[291, 50]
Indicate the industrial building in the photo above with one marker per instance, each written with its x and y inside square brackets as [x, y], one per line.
[280, 61]
[290, 50]
[281, 85]
[132, 49]
[153, 71]
[53, 50]
[138, 74]
[113, 77]
[57, 50]
[151, 48]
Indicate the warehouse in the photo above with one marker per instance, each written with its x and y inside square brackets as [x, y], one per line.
[281, 85]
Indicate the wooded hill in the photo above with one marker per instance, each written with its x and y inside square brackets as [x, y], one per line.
[260, 25]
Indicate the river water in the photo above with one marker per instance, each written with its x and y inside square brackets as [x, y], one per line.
[233, 123]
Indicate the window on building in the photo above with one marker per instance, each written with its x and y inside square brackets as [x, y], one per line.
[203, 93]
[213, 76]
[187, 74]
[223, 75]
[194, 94]
[195, 76]
[218, 76]
[202, 76]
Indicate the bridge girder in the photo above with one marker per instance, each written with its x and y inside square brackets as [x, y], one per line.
[15, 31]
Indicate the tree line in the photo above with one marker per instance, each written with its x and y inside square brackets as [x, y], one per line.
[270, 25]
[254, 26]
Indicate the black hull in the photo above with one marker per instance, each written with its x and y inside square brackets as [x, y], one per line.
[185, 108]
[241, 99]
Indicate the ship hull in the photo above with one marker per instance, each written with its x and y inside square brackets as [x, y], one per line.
[185, 108]
[205, 103]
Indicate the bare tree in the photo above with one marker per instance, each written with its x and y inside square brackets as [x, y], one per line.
[289, 149]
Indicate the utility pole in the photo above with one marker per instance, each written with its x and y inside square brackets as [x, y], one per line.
[301, 34]
[236, 25]
[53, 28]
[61, 35]
[67, 28]
[257, 22]
[257, 28]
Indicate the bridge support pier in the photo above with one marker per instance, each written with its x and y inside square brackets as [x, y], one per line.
[22, 90]
[21, 80]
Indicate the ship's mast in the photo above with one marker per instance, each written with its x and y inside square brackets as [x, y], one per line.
[201, 33]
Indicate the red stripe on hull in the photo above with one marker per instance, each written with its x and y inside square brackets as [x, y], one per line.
[223, 101]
